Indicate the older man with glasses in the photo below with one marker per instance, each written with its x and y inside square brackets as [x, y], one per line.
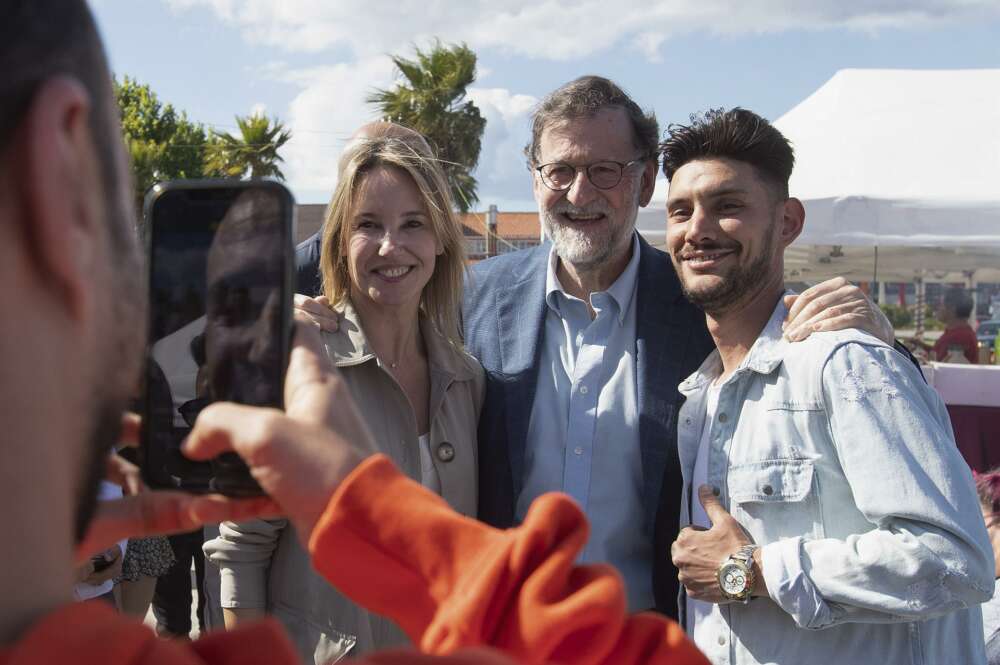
[585, 339]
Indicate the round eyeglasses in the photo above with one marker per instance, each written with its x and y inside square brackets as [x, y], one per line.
[602, 175]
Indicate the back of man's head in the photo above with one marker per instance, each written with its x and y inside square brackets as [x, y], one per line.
[584, 98]
[41, 39]
[958, 303]
[735, 134]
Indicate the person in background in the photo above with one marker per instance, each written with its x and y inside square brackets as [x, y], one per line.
[392, 264]
[99, 584]
[959, 339]
[988, 489]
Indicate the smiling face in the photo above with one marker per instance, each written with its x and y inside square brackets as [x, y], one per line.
[726, 232]
[391, 245]
[587, 225]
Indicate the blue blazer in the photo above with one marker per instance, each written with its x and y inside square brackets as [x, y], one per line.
[503, 319]
[308, 281]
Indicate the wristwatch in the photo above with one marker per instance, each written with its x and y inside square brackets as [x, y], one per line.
[736, 576]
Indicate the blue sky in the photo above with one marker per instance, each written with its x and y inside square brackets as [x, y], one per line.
[311, 62]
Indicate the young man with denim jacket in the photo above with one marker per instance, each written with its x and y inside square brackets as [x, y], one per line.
[832, 518]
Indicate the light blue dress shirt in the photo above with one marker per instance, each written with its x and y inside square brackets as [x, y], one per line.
[583, 434]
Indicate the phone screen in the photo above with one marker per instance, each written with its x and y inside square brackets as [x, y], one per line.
[220, 317]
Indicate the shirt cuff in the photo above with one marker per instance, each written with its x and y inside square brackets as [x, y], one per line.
[245, 587]
[789, 586]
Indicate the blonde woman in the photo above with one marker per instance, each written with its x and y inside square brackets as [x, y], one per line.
[392, 265]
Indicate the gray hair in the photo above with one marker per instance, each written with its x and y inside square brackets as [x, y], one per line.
[584, 98]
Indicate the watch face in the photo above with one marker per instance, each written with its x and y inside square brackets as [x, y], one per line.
[733, 578]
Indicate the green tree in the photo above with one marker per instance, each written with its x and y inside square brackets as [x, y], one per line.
[430, 98]
[253, 152]
[163, 143]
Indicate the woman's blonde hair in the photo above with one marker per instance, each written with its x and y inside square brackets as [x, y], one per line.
[442, 296]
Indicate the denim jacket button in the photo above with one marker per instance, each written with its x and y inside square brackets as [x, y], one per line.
[723, 417]
[768, 490]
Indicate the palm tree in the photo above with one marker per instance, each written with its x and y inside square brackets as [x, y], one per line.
[430, 98]
[254, 152]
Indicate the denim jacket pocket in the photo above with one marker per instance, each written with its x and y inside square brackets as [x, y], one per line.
[775, 498]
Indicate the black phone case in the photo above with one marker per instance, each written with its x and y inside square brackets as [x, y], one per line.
[226, 474]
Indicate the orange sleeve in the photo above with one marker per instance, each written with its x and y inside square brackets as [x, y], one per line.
[451, 582]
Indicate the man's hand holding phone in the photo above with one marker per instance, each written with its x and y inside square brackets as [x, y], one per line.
[299, 457]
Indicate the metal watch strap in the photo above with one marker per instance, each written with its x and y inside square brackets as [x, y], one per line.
[745, 554]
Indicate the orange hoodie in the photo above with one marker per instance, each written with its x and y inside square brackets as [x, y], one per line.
[453, 584]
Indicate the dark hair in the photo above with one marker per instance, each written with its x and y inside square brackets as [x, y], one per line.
[988, 489]
[584, 98]
[734, 134]
[958, 301]
[40, 39]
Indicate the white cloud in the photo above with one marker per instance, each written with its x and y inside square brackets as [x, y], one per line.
[322, 116]
[359, 33]
[556, 29]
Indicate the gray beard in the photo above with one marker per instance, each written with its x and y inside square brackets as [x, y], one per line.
[581, 250]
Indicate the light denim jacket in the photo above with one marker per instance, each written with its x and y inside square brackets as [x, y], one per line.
[840, 462]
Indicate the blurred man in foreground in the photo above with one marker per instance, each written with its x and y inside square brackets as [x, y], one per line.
[71, 351]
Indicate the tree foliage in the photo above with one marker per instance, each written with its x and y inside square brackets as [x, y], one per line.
[162, 142]
[430, 98]
[253, 152]
[165, 145]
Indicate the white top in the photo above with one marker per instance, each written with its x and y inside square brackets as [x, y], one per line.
[83, 591]
[428, 474]
[699, 609]
[991, 612]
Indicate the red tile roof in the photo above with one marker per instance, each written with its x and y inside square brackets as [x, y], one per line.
[509, 224]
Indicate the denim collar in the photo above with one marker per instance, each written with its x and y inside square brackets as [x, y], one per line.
[766, 354]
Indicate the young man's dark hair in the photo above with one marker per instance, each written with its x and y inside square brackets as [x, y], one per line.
[734, 134]
[584, 97]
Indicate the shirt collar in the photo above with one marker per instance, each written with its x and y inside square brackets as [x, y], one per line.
[622, 292]
[349, 346]
[767, 352]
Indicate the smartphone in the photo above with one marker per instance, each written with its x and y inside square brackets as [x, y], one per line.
[220, 265]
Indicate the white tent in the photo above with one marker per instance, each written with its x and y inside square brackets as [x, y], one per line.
[903, 160]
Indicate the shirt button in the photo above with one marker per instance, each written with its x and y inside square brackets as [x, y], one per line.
[584, 390]
[446, 452]
[722, 640]
[723, 417]
[578, 450]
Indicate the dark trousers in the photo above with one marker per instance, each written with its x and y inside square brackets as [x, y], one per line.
[172, 598]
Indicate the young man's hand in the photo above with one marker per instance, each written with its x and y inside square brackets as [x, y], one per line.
[698, 552]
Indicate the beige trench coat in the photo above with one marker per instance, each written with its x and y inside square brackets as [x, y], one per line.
[262, 564]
